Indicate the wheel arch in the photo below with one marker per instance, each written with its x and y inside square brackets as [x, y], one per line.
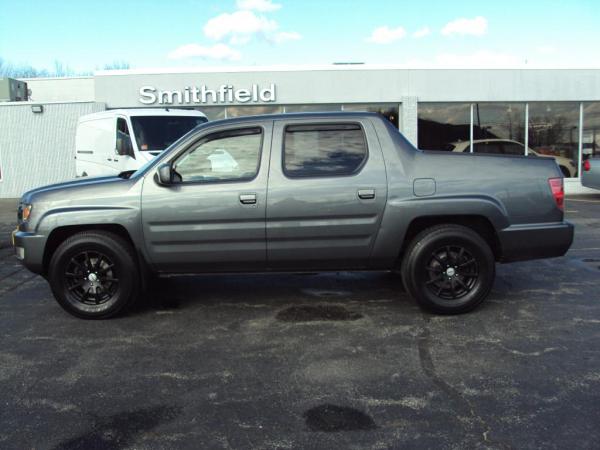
[60, 234]
[478, 223]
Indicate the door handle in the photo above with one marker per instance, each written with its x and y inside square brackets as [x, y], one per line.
[247, 199]
[109, 159]
[366, 194]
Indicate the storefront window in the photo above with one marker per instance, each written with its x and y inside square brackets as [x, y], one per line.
[554, 131]
[591, 130]
[499, 128]
[313, 108]
[388, 110]
[237, 111]
[213, 112]
[444, 126]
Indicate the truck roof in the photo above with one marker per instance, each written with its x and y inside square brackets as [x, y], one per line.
[132, 112]
[342, 115]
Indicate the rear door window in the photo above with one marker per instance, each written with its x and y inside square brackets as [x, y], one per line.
[323, 150]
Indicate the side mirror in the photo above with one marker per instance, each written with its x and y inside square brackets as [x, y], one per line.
[165, 175]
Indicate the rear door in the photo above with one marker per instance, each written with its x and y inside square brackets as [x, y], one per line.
[213, 219]
[326, 195]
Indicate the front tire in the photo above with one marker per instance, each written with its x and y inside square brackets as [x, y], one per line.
[448, 269]
[94, 275]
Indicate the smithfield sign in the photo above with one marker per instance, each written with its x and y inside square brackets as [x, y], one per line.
[225, 94]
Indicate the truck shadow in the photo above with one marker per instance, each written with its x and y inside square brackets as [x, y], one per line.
[180, 292]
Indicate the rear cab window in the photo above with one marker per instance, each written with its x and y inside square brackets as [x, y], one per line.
[324, 150]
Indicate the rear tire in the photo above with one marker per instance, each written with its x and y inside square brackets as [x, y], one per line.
[94, 275]
[448, 269]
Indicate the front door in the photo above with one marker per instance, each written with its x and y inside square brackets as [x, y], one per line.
[213, 218]
[327, 192]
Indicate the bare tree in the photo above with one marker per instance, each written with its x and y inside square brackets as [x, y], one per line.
[62, 70]
[117, 65]
[8, 69]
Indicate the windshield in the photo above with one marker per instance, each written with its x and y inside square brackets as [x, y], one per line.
[156, 133]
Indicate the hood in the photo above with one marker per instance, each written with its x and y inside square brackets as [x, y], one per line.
[77, 189]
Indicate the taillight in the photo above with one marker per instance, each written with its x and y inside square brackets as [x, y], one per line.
[558, 191]
[587, 165]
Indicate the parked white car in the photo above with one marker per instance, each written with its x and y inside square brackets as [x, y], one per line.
[511, 147]
[114, 141]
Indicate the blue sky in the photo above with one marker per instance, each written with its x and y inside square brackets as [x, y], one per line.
[191, 33]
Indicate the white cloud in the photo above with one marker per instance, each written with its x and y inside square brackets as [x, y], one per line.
[239, 26]
[258, 5]
[422, 32]
[475, 27]
[217, 51]
[386, 35]
[283, 36]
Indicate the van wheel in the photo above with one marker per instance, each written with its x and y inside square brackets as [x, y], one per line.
[94, 275]
[448, 269]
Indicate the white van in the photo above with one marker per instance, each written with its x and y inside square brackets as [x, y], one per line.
[110, 142]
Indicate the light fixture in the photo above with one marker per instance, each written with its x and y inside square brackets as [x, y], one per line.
[37, 108]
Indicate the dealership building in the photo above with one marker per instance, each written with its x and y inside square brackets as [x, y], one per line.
[529, 112]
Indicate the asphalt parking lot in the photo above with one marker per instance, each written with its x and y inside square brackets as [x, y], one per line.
[241, 362]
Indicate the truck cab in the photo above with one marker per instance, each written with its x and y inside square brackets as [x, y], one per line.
[118, 140]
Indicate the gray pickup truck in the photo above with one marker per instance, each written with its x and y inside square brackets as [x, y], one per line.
[295, 192]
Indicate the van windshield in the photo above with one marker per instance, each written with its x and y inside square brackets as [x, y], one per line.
[156, 133]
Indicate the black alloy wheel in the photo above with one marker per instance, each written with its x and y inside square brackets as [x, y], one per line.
[94, 275]
[91, 278]
[448, 269]
[453, 272]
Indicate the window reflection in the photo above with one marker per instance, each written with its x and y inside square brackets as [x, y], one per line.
[444, 126]
[313, 108]
[213, 112]
[591, 130]
[499, 128]
[388, 110]
[554, 131]
[237, 111]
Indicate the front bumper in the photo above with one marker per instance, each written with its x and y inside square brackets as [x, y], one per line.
[535, 241]
[29, 249]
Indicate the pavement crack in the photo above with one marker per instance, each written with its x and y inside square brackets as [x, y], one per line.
[18, 285]
[461, 402]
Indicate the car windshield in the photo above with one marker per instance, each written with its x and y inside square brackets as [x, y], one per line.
[156, 133]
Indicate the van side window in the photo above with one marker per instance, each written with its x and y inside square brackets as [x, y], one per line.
[124, 146]
[323, 150]
[231, 155]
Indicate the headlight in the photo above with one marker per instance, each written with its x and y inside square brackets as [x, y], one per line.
[24, 212]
